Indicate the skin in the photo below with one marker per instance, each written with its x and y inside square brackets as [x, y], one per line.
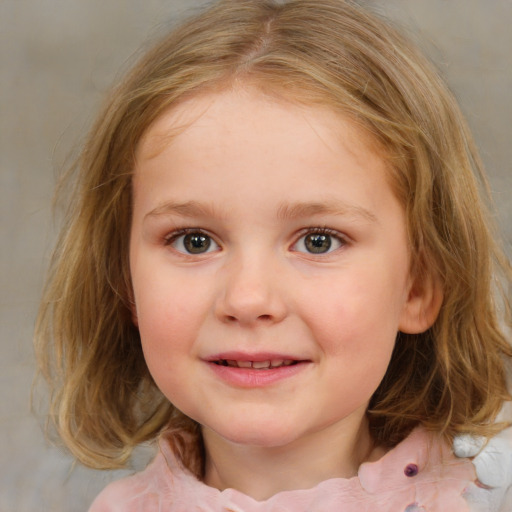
[254, 176]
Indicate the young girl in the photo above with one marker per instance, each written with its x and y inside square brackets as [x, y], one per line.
[277, 262]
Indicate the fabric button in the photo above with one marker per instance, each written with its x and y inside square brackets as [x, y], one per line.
[411, 470]
[414, 507]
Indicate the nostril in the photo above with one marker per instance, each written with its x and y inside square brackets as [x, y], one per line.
[265, 317]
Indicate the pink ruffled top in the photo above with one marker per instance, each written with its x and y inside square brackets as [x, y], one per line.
[421, 474]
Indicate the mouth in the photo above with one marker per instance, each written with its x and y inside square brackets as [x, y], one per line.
[269, 364]
[256, 370]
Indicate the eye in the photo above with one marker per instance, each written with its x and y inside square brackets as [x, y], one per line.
[192, 242]
[319, 242]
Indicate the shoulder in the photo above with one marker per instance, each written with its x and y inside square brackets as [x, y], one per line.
[127, 495]
[141, 492]
[421, 473]
[473, 475]
[164, 485]
[113, 498]
[492, 460]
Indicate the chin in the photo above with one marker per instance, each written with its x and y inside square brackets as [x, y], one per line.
[267, 435]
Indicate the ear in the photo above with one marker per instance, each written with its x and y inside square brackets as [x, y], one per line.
[423, 304]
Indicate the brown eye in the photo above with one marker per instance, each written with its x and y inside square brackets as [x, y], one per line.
[317, 243]
[194, 242]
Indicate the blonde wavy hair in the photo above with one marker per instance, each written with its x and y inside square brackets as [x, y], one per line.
[450, 379]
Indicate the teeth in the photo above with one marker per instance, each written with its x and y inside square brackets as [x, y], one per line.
[257, 365]
[260, 364]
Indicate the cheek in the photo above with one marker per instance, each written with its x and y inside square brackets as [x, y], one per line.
[167, 322]
[357, 315]
[168, 332]
[166, 319]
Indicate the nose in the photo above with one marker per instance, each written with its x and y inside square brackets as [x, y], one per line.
[251, 293]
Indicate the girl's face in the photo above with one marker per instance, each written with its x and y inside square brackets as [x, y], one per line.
[270, 263]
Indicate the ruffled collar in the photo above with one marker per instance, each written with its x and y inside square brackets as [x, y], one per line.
[420, 474]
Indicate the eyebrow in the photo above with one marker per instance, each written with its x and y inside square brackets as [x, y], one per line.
[334, 207]
[186, 209]
[286, 211]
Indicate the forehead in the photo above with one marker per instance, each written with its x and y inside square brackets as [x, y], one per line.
[242, 148]
[232, 109]
[242, 154]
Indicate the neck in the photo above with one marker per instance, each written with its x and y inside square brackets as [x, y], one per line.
[261, 472]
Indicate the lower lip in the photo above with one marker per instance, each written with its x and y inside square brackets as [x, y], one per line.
[251, 378]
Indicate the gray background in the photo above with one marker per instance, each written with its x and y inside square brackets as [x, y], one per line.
[57, 59]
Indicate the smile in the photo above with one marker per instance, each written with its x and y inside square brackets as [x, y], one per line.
[244, 370]
[256, 365]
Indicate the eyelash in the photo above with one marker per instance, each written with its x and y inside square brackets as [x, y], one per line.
[324, 231]
[341, 239]
[172, 237]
